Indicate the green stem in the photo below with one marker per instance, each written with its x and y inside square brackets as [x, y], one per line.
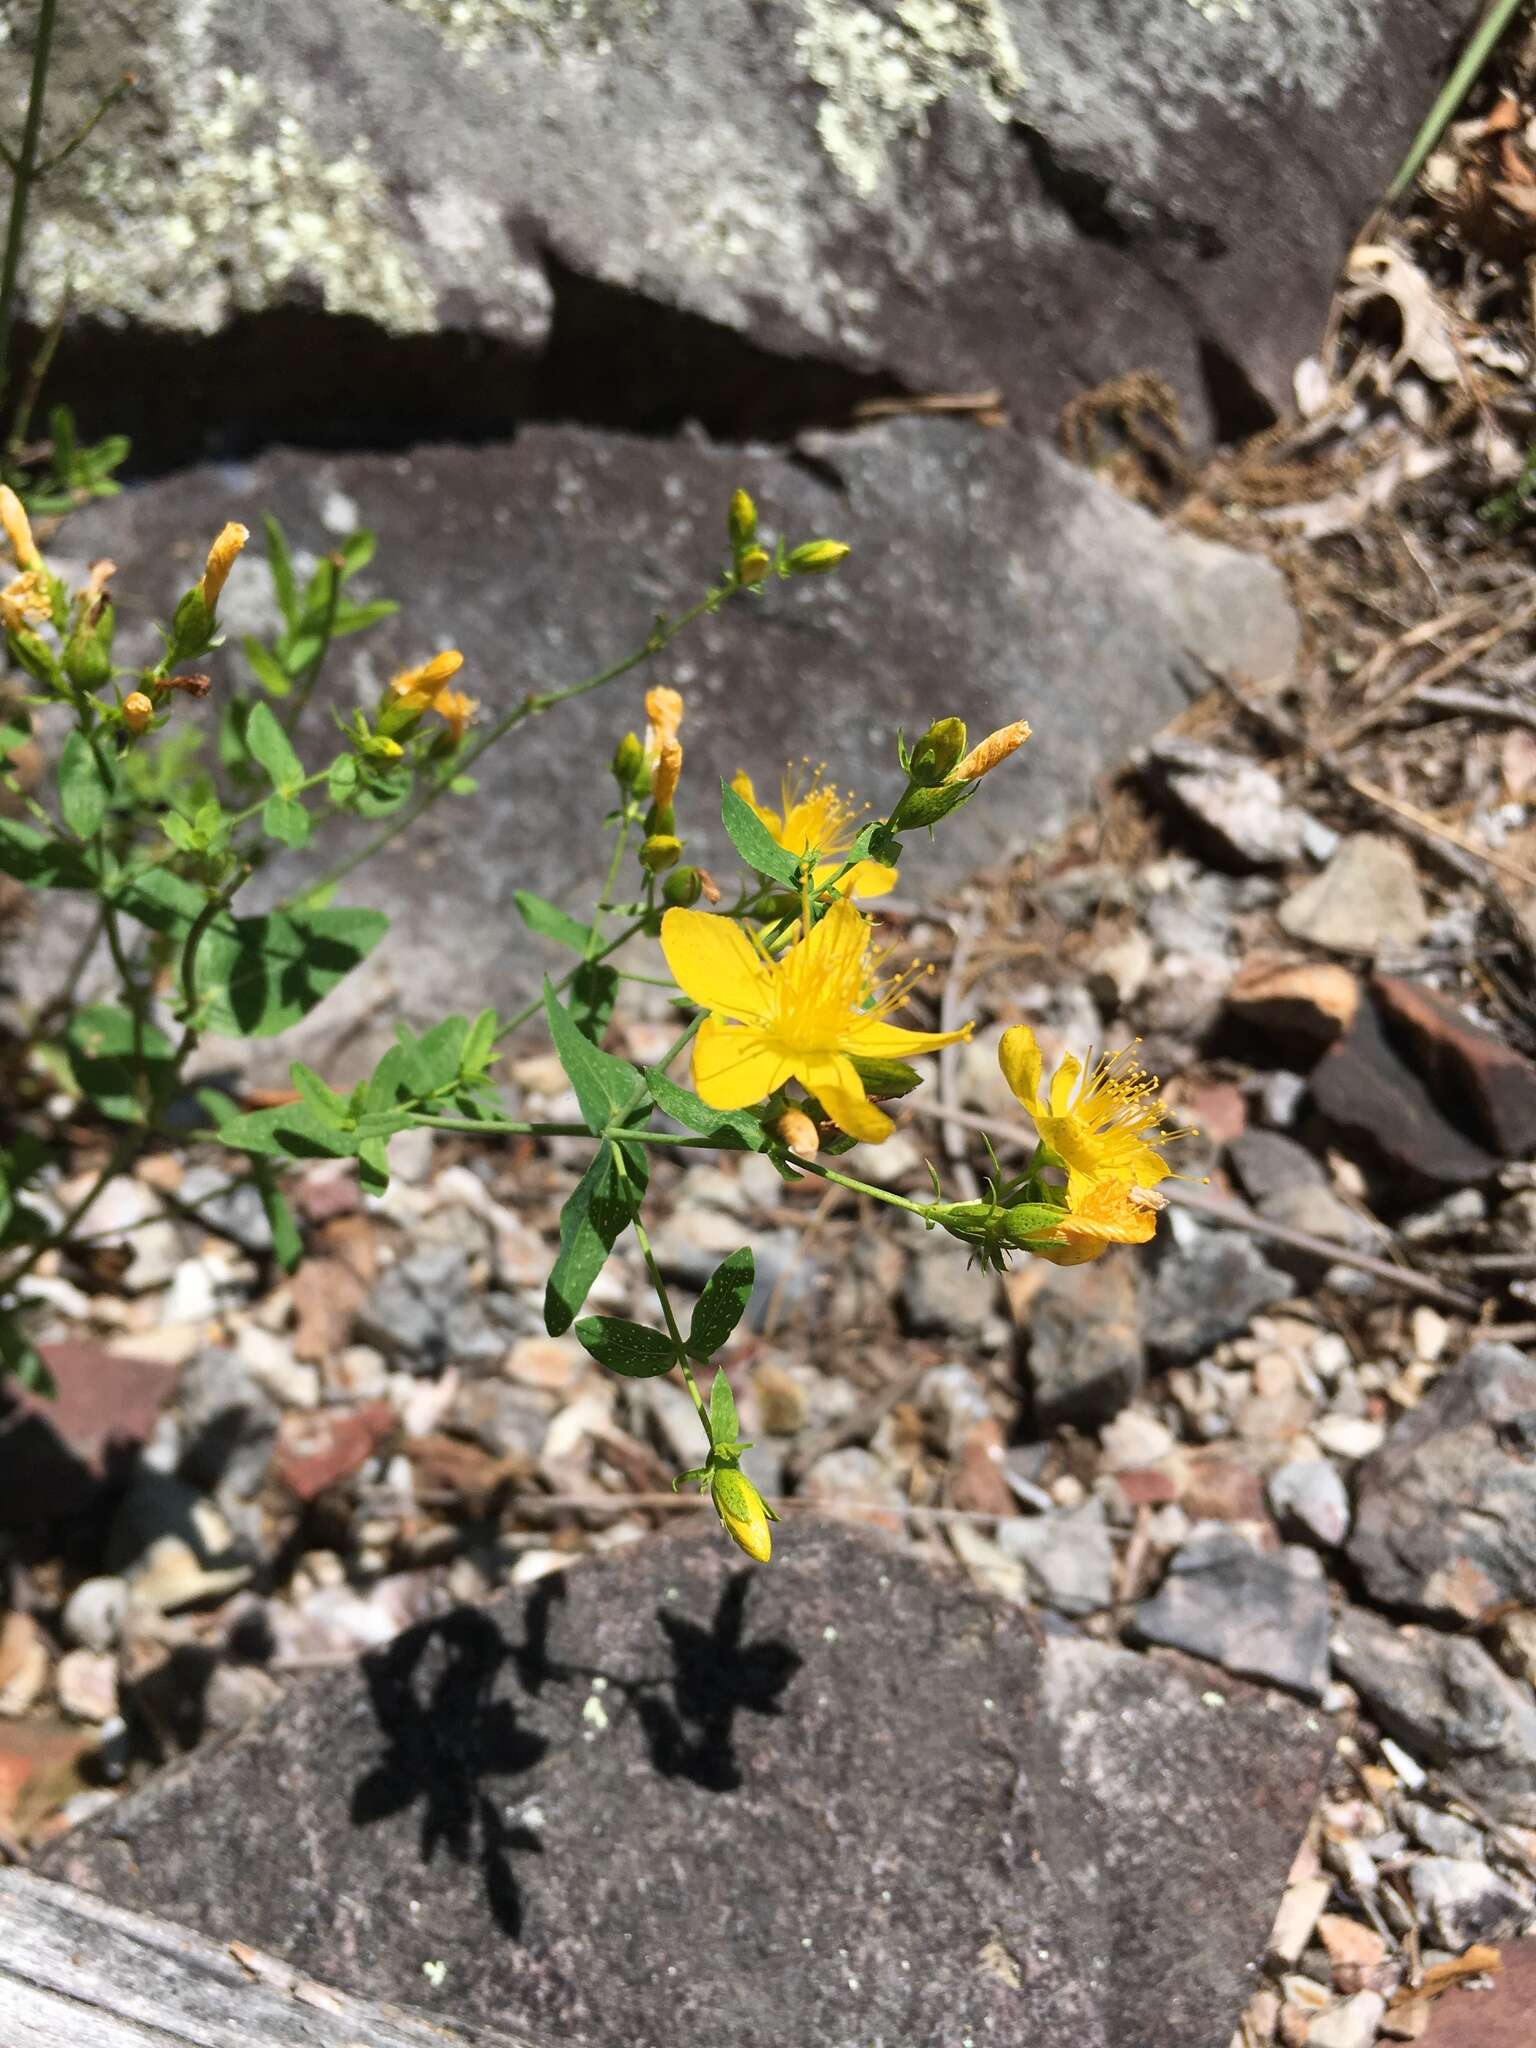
[862, 1187]
[532, 1009]
[21, 186]
[643, 1240]
[240, 818]
[609, 884]
[487, 1127]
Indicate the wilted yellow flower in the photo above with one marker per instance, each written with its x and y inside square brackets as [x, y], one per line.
[137, 711]
[1107, 1212]
[799, 1133]
[996, 747]
[18, 530]
[422, 686]
[743, 1512]
[221, 559]
[669, 766]
[664, 714]
[456, 710]
[1101, 1121]
[803, 1016]
[25, 601]
[818, 819]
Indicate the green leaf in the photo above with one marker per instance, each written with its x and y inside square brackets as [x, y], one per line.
[357, 618]
[551, 922]
[597, 1211]
[280, 563]
[921, 807]
[752, 839]
[373, 1166]
[604, 1086]
[274, 750]
[265, 973]
[722, 1304]
[341, 780]
[287, 1243]
[292, 1131]
[83, 791]
[266, 668]
[479, 1049]
[686, 1108]
[45, 863]
[99, 1041]
[886, 1080]
[724, 1427]
[877, 842]
[627, 1348]
[285, 820]
[20, 1358]
[593, 991]
[321, 1097]
[357, 551]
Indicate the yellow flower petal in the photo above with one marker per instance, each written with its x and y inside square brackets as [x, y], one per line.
[1064, 1084]
[1019, 1057]
[857, 1116]
[873, 1039]
[714, 965]
[735, 1067]
[868, 878]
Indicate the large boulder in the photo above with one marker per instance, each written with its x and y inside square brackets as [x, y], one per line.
[988, 578]
[754, 210]
[841, 1799]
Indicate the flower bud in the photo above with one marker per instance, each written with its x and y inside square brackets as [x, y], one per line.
[18, 530]
[741, 520]
[743, 1514]
[669, 766]
[628, 760]
[935, 756]
[137, 711]
[816, 557]
[753, 566]
[660, 852]
[683, 888]
[996, 747]
[221, 559]
[799, 1133]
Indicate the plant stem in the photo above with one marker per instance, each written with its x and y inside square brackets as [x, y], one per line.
[862, 1187]
[306, 685]
[21, 185]
[660, 1285]
[532, 1009]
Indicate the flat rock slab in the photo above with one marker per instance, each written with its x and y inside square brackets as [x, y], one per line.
[622, 208]
[988, 578]
[841, 1800]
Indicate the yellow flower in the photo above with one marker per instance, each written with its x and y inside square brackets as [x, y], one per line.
[456, 710]
[25, 601]
[664, 714]
[1100, 1121]
[801, 1017]
[669, 767]
[820, 820]
[1108, 1212]
[422, 686]
[18, 530]
[221, 559]
[995, 748]
[743, 1512]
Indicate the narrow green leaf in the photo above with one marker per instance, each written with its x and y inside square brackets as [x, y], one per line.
[321, 1097]
[28, 856]
[724, 1428]
[274, 750]
[479, 1049]
[687, 1109]
[357, 618]
[604, 1085]
[626, 1348]
[357, 552]
[752, 839]
[595, 1214]
[550, 922]
[21, 1359]
[287, 1242]
[266, 668]
[280, 564]
[292, 1131]
[722, 1304]
[83, 791]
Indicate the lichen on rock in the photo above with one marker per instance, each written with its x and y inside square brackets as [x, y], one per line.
[881, 73]
[477, 29]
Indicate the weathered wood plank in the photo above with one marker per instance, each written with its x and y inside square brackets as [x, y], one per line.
[78, 1972]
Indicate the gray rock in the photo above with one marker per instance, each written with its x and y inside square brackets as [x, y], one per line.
[508, 1420]
[952, 1399]
[1237, 808]
[1267, 1164]
[1309, 1497]
[423, 1313]
[1263, 1617]
[1445, 1520]
[1448, 1703]
[93, 1613]
[472, 1796]
[1366, 901]
[1207, 1292]
[1442, 1833]
[229, 1423]
[497, 193]
[1087, 1354]
[985, 569]
[1069, 1558]
[235, 1211]
[944, 1293]
[1460, 1902]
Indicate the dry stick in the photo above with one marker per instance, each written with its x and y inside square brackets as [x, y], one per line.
[1355, 728]
[1235, 1216]
[1507, 709]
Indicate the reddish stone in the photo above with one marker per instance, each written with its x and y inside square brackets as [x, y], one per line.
[978, 1483]
[56, 1452]
[1493, 1085]
[38, 1768]
[1217, 1109]
[1146, 1486]
[1306, 1001]
[1220, 1488]
[1390, 1119]
[453, 1473]
[1500, 2018]
[326, 1296]
[317, 1448]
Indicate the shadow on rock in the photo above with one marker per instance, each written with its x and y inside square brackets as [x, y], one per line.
[715, 1677]
[433, 1695]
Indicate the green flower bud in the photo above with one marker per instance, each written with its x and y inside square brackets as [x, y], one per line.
[741, 521]
[660, 852]
[88, 652]
[816, 557]
[936, 754]
[753, 565]
[628, 763]
[926, 806]
[683, 888]
[743, 1512]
